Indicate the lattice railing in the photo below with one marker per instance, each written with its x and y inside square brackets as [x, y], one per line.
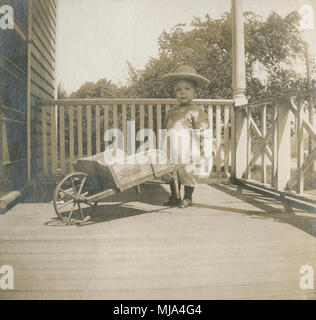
[279, 138]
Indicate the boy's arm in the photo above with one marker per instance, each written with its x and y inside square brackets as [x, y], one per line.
[200, 119]
[200, 122]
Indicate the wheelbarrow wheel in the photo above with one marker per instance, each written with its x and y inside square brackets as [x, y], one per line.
[69, 197]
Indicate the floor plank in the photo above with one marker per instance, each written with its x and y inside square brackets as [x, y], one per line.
[229, 245]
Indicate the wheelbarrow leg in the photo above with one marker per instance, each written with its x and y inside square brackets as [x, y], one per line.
[137, 188]
[177, 185]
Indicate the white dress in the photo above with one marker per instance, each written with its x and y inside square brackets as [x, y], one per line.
[189, 142]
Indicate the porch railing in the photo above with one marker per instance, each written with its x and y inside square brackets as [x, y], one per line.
[71, 129]
[278, 138]
[272, 143]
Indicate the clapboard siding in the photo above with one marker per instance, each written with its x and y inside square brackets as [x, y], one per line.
[13, 50]
[13, 69]
[42, 71]
[39, 68]
[40, 28]
[50, 18]
[27, 74]
[41, 83]
[45, 67]
[43, 51]
[39, 92]
[49, 32]
[13, 101]
[39, 35]
[53, 5]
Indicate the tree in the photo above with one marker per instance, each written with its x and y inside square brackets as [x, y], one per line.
[61, 92]
[207, 45]
[101, 89]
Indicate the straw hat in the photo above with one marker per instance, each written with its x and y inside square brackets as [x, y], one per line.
[186, 73]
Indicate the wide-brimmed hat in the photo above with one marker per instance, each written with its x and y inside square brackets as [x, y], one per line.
[186, 73]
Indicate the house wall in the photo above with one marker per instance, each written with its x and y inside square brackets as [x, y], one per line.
[42, 75]
[13, 90]
[27, 73]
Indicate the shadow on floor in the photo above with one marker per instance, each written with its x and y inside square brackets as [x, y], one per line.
[152, 194]
[43, 193]
[269, 208]
[104, 213]
[155, 194]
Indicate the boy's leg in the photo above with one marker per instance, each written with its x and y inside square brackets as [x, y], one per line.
[187, 199]
[174, 199]
[188, 191]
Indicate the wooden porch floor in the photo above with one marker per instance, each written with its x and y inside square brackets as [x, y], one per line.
[227, 246]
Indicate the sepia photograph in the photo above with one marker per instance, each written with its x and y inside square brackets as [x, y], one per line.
[155, 150]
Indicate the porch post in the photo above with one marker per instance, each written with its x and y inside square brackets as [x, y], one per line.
[283, 148]
[239, 164]
[29, 109]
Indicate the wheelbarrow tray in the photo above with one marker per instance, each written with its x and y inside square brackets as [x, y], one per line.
[122, 175]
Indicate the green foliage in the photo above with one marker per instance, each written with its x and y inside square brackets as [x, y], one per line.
[61, 92]
[101, 89]
[207, 45]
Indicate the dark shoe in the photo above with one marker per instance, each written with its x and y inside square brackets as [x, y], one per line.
[188, 191]
[185, 203]
[172, 202]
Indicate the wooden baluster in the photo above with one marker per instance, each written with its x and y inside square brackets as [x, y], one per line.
[167, 108]
[248, 170]
[152, 142]
[299, 148]
[210, 120]
[311, 141]
[218, 140]
[124, 126]
[142, 122]
[62, 138]
[132, 135]
[233, 141]
[53, 132]
[226, 139]
[44, 140]
[80, 142]
[133, 112]
[89, 148]
[274, 146]
[283, 144]
[115, 119]
[158, 124]
[71, 137]
[106, 123]
[97, 129]
[264, 132]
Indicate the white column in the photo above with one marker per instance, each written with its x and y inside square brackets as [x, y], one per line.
[239, 68]
[239, 85]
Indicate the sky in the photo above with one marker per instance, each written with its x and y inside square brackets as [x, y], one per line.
[96, 38]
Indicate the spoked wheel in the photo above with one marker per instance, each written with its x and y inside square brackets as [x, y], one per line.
[70, 198]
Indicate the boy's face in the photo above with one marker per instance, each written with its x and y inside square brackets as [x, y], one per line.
[185, 91]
